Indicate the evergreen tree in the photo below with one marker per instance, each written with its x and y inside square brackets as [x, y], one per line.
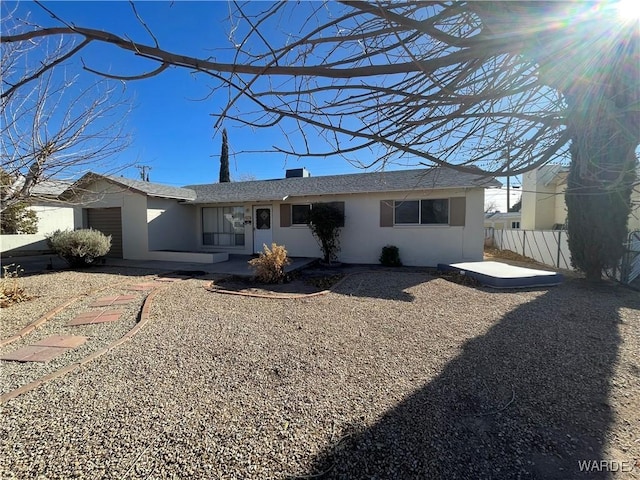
[224, 159]
[17, 218]
[603, 165]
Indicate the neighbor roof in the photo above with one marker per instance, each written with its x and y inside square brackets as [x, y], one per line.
[138, 186]
[280, 189]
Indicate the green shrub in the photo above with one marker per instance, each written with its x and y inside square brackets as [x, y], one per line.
[80, 248]
[18, 219]
[390, 256]
[269, 266]
[325, 221]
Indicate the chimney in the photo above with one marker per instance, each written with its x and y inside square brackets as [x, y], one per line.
[298, 173]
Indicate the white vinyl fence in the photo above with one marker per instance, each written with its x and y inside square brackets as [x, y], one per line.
[545, 246]
[551, 248]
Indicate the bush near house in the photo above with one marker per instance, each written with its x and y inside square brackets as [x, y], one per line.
[390, 256]
[269, 266]
[80, 248]
[325, 221]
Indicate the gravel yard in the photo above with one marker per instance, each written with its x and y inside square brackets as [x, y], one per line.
[392, 375]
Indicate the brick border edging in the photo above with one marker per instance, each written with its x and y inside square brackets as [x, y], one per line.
[24, 331]
[144, 319]
[33, 325]
[293, 296]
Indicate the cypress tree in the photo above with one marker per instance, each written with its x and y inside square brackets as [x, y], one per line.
[604, 129]
[224, 159]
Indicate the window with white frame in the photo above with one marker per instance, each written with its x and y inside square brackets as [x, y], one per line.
[223, 226]
[515, 224]
[421, 212]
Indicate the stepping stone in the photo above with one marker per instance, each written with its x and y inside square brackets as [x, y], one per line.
[143, 286]
[34, 353]
[95, 317]
[116, 300]
[61, 341]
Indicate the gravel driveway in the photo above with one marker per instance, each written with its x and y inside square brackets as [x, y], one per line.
[393, 375]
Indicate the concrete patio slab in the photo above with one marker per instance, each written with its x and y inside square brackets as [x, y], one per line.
[61, 341]
[236, 265]
[33, 353]
[502, 275]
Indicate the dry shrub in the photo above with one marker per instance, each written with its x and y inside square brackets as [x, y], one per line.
[11, 290]
[80, 248]
[269, 266]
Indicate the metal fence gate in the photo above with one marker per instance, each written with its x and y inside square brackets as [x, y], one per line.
[631, 261]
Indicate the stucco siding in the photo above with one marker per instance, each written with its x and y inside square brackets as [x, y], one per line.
[170, 225]
[362, 238]
[54, 217]
[102, 194]
[560, 213]
[539, 196]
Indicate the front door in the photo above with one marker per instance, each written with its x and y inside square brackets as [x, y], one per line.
[262, 233]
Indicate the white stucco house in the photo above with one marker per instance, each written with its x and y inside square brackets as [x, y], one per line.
[52, 215]
[543, 205]
[502, 220]
[432, 215]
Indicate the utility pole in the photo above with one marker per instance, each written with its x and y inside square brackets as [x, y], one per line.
[144, 172]
[507, 153]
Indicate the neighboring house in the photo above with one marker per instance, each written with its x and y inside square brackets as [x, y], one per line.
[52, 215]
[543, 205]
[432, 215]
[500, 220]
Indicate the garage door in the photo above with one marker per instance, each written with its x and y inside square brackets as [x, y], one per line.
[109, 222]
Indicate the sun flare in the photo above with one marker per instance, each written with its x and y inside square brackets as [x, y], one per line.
[629, 10]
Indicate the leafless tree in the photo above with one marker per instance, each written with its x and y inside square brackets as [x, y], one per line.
[496, 86]
[54, 126]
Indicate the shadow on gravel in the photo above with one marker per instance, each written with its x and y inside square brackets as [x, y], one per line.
[528, 399]
[363, 284]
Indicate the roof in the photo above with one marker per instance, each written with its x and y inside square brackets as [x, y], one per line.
[138, 186]
[390, 181]
[45, 188]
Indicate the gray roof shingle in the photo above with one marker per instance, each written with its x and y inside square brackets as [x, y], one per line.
[390, 181]
[146, 188]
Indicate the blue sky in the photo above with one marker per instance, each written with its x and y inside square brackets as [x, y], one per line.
[171, 122]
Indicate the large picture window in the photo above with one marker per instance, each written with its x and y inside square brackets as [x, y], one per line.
[223, 226]
[421, 212]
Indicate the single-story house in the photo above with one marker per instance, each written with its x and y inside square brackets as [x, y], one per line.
[52, 215]
[502, 220]
[432, 215]
[543, 205]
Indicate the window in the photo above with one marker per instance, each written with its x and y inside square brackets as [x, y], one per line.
[421, 212]
[223, 226]
[515, 224]
[300, 214]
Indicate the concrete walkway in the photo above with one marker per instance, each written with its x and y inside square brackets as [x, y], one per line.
[236, 265]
